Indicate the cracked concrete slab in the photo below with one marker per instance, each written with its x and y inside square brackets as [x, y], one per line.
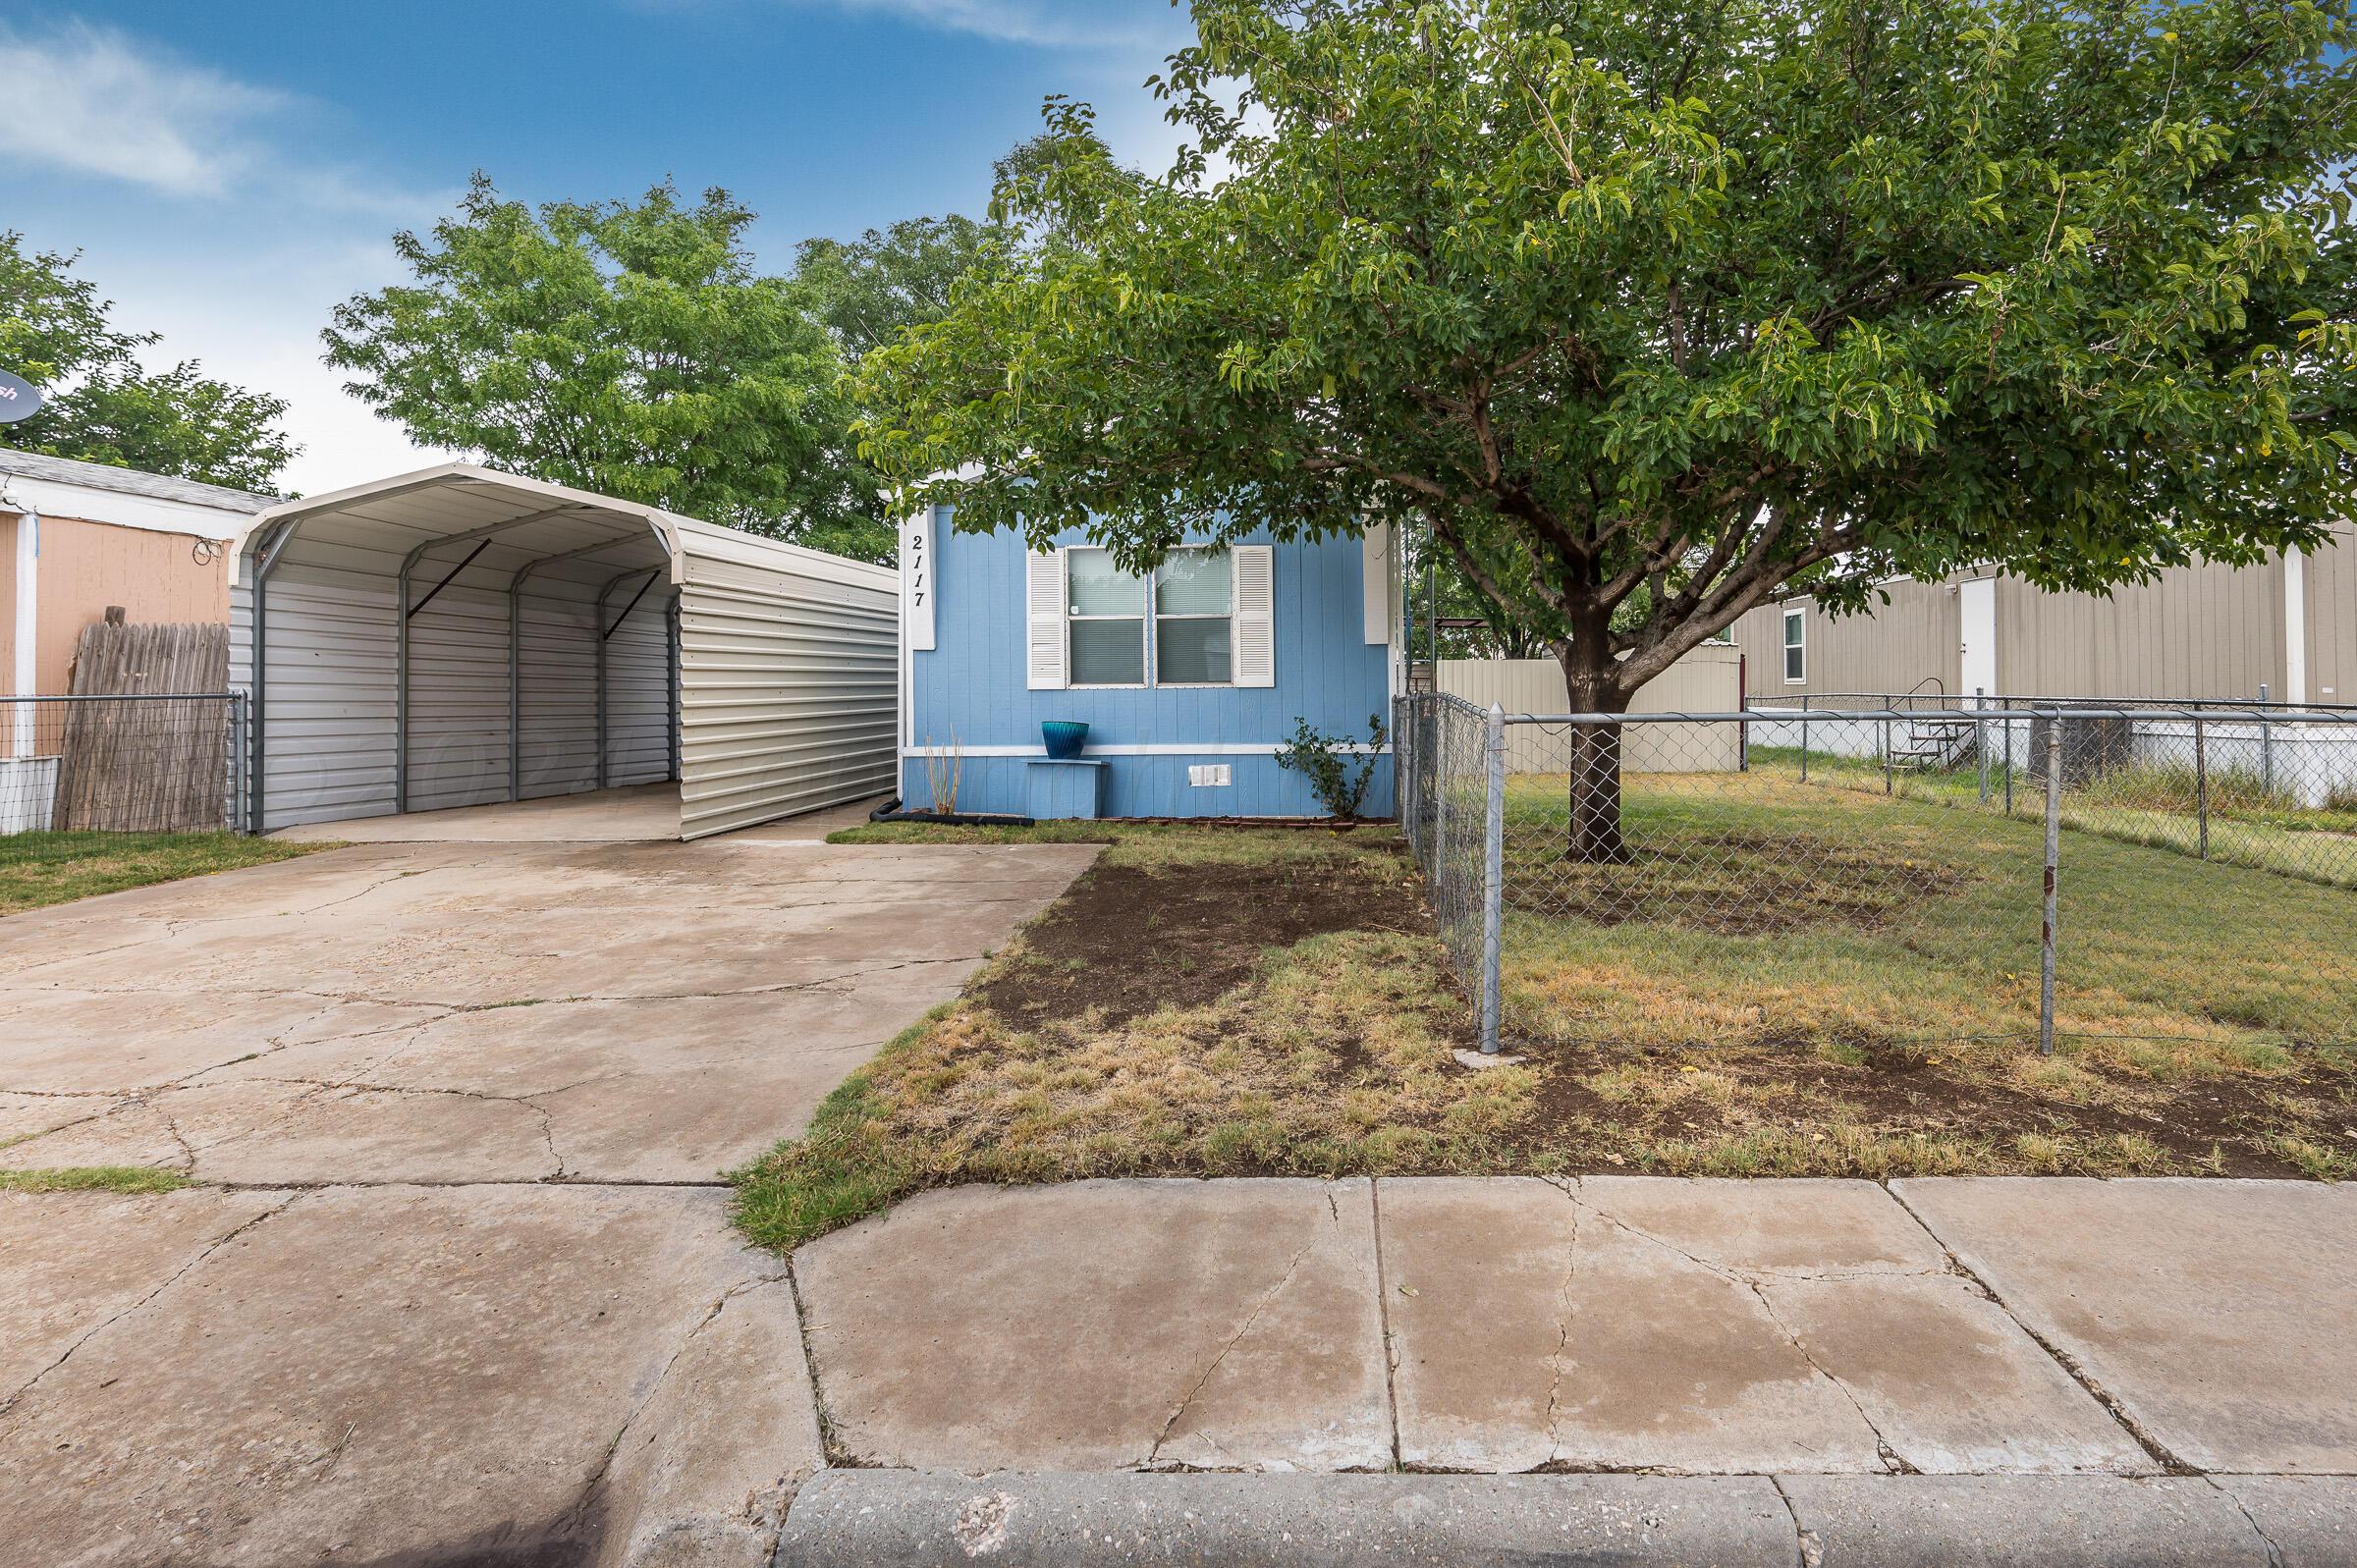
[2216, 1312]
[440, 1013]
[1477, 1282]
[72, 1260]
[1105, 1325]
[395, 1373]
[1709, 1326]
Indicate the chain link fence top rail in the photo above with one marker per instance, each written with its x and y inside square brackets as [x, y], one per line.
[1736, 867]
[160, 763]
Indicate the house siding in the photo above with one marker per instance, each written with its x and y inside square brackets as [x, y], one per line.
[969, 690]
[2199, 633]
[1911, 641]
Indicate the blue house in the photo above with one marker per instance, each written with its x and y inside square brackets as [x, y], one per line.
[1189, 678]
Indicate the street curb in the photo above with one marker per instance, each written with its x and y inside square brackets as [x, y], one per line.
[912, 1519]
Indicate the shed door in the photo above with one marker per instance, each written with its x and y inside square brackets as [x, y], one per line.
[789, 695]
[1977, 664]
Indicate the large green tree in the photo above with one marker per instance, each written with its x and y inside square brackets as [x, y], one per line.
[100, 405]
[867, 289]
[1669, 304]
[626, 347]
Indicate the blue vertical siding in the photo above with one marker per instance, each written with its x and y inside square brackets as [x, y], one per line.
[972, 682]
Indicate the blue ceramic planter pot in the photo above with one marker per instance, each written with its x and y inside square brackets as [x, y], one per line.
[1064, 736]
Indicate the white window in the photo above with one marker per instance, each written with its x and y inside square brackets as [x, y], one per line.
[1796, 653]
[1194, 608]
[1105, 620]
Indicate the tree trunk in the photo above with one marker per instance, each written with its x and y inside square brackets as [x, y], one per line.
[1594, 785]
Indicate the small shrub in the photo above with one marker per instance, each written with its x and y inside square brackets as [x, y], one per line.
[1338, 789]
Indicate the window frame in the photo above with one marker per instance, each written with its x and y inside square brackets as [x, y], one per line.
[1155, 614]
[1073, 617]
[1796, 616]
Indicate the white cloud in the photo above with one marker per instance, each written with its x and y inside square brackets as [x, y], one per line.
[92, 100]
[1048, 24]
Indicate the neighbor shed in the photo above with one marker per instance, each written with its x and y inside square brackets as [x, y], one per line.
[456, 637]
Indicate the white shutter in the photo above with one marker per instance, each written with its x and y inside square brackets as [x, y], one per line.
[1255, 615]
[1043, 595]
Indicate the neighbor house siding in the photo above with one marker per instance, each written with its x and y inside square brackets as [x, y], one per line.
[2196, 632]
[1908, 643]
[969, 691]
[85, 567]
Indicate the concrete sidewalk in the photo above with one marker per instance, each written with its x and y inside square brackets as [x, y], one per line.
[1999, 1371]
[1977, 1327]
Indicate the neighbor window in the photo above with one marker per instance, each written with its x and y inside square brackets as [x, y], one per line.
[1108, 612]
[1796, 654]
[1193, 611]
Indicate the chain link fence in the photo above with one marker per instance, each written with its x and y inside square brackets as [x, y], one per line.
[164, 762]
[1918, 871]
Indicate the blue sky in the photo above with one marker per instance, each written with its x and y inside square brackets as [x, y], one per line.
[232, 170]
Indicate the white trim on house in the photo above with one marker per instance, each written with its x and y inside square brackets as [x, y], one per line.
[1375, 582]
[1253, 660]
[148, 513]
[1788, 647]
[2295, 627]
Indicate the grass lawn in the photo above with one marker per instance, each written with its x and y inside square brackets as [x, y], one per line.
[47, 868]
[129, 1179]
[1212, 1001]
[2249, 825]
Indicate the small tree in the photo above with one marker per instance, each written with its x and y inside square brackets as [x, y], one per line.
[1667, 306]
[627, 347]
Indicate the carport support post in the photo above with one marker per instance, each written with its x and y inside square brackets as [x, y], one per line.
[516, 688]
[2054, 856]
[1493, 879]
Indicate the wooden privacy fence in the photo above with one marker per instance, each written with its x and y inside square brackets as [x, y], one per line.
[1707, 680]
[157, 765]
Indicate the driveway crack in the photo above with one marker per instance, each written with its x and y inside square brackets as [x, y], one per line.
[169, 1281]
[1252, 1317]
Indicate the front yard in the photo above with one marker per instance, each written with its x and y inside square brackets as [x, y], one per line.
[1213, 1002]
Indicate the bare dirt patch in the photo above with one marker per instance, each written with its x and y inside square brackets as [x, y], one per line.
[1129, 941]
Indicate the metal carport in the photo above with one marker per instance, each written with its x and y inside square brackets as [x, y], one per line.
[456, 637]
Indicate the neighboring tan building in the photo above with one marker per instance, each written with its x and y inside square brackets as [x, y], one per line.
[2286, 627]
[75, 537]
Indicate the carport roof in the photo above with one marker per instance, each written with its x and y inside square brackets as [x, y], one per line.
[461, 501]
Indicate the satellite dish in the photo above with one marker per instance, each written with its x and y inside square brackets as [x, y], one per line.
[20, 399]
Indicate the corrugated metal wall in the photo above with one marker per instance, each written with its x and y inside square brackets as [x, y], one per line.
[789, 691]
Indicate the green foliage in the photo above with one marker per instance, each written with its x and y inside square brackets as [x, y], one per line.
[1314, 756]
[130, 1180]
[629, 349]
[1647, 310]
[868, 289]
[102, 408]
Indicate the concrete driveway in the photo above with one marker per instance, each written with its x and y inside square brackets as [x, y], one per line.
[459, 1286]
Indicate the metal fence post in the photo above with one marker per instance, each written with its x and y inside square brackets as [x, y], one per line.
[2201, 783]
[2008, 711]
[1804, 738]
[1493, 880]
[1886, 756]
[2054, 852]
[1979, 738]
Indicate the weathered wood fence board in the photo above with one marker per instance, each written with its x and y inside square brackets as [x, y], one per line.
[153, 766]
